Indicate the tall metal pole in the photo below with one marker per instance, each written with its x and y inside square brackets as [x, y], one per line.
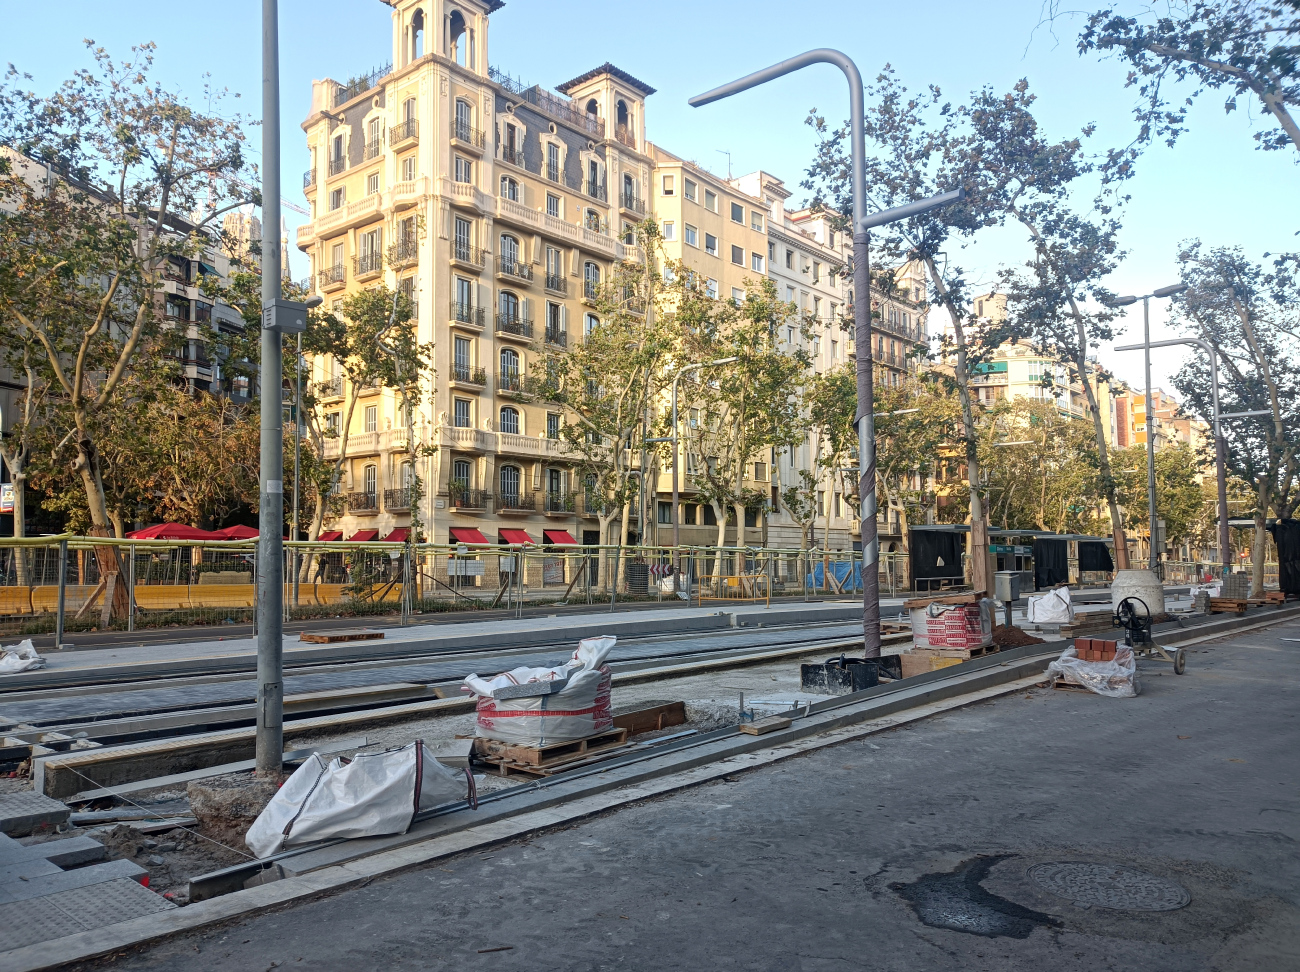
[1153, 558]
[270, 548]
[1220, 468]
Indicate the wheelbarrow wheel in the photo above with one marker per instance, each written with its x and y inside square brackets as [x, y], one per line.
[1180, 662]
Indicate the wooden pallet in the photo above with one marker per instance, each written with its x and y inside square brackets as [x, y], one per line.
[650, 718]
[963, 653]
[530, 758]
[1228, 605]
[339, 635]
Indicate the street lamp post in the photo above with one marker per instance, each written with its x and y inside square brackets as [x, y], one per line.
[677, 557]
[862, 223]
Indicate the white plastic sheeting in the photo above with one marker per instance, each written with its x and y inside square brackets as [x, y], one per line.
[580, 709]
[21, 657]
[367, 796]
[926, 633]
[1054, 607]
[1116, 679]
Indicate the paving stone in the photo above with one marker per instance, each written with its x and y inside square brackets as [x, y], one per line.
[66, 852]
[27, 870]
[80, 909]
[69, 880]
[22, 813]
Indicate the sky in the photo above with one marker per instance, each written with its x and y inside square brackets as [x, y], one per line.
[1214, 186]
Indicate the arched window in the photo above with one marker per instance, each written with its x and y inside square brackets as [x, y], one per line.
[590, 279]
[417, 35]
[407, 475]
[461, 473]
[509, 251]
[508, 480]
[509, 189]
[623, 118]
[592, 107]
[508, 306]
[510, 419]
[370, 480]
[509, 361]
[590, 324]
[593, 220]
[458, 37]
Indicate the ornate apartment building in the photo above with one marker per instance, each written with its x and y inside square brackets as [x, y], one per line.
[499, 208]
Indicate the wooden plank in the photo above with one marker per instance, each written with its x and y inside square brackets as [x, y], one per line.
[340, 635]
[966, 597]
[1227, 605]
[761, 726]
[652, 718]
[553, 754]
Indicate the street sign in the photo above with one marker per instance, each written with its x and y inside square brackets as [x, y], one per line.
[6, 497]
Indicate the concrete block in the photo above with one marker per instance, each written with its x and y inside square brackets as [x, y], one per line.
[23, 813]
[530, 689]
[82, 877]
[9, 873]
[58, 915]
[66, 852]
[453, 752]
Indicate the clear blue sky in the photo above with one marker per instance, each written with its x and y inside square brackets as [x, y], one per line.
[1215, 185]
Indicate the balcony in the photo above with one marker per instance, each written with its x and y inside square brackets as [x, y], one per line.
[403, 253]
[596, 190]
[466, 137]
[590, 291]
[516, 385]
[467, 375]
[508, 269]
[556, 284]
[330, 387]
[624, 134]
[369, 264]
[522, 502]
[512, 325]
[367, 209]
[513, 155]
[409, 129]
[398, 500]
[371, 150]
[556, 336]
[466, 314]
[560, 504]
[308, 179]
[461, 497]
[365, 504]
[465, 255]
[359, 85]
[553, 171]
[632, 203]
[337, 166]
[332, 278]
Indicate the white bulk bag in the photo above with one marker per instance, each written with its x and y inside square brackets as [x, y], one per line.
[580, 709]
[1054, 607]
[368, 796]
[21, 657]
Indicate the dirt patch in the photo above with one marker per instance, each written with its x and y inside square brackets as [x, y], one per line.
[172, 858]
[1013, 637]
[226, 806]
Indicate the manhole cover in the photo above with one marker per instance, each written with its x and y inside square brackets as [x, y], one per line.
[1110, 886]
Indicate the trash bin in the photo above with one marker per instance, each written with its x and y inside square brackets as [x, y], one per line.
[638, 577]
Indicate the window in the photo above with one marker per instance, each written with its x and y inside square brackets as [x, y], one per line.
[509, 253]
[590, 323]
[508, 306]
[710, 516]
[738, 255]
[370, 480]
[737, 296]
[593, 220]
[817, 306]
[337, 198]
[460, 414]
[737, 213]
[817, 345]
[464, 298]
[463, 359]
[337, 157]
[509, 479]
[332, 423]
[817, 272]
[710, 244]
[464, 170]
[552, 205]
[595, 184]
[690, 513]
[629, 234]
[670, 230]
[710, 200]
[711, 288]
[552, 425]
[461, 473]
[464, 238]
[372, 184]
[837, 505]
[509, 362]
[510, 420]
[832, 274]
[666, 185]
[756, 221]
[789, 259]
[552, 162]
[372, 418]
[590, 279]
[464, 120]
[692, 235]
[510, 188]
[688, 189]
[835, 351]
[821, 502]
[756, 262]
[408, 168]
[665, 513]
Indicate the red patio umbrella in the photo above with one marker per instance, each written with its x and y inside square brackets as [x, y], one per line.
[174, 531]
[239, 532]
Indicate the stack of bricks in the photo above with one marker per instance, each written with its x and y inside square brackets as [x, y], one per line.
[958, 627]
[1235, 586]
[1094, 649]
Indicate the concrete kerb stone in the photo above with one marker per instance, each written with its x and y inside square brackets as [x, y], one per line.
[340, 877]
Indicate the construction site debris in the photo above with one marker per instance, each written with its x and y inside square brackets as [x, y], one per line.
[21, 657]
[1013, 637]
[1116, 678]
[580, 709]
[29, 812]
[367, 796]
[650, 717]
[340, 635]
[226, 806]
[840, 675]
[183, 855]
[762, 726]
[1054, 607]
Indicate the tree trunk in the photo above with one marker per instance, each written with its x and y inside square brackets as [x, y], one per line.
[1258, 550]
[19, 479]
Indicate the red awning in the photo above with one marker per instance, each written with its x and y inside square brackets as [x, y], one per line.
[467, 535]
[239, 532]
[515, 536]
[557, 536]
[331, 535]
[398, 536]
[175, 531]
[361, 536]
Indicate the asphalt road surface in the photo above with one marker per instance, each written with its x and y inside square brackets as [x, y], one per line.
[1037, 831]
